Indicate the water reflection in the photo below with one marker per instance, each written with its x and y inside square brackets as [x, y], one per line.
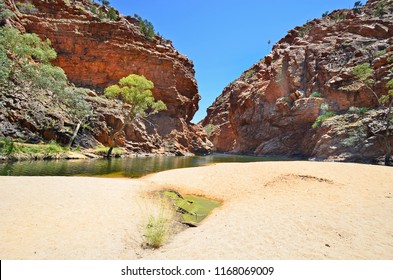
[118, 167]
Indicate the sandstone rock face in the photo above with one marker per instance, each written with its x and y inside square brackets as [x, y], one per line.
[271, 107]
[96, 52]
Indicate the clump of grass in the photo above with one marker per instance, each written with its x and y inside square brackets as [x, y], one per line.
[102, 151]
[161, 223]
[210, 129]
[249, 74]
[355, 137]
[380, 53]
[26, 8]
[315, 94]
[318, 122]
[12, 150]
[7, 147]
[362, 71]
[304, 30]
[357, 110]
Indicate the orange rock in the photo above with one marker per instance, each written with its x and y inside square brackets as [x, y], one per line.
[276, 118]
[96, 54]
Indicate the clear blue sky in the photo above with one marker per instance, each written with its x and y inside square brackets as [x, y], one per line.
[225, 37]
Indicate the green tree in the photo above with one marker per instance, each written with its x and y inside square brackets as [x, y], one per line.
[5, 13]
[146, 27]
[104, 2]
[25, 60]
[19, 50]
[134, 91]
[357, 5]
[112, 15]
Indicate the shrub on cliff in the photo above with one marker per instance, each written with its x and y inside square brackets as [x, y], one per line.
[210, 129]
[316, 94]
[112, 15]
[146, 27]
[380, 9]
[26, 8]
[104, 2]
[362, 72]
[357, 7]
[318, 122]
[5, 13]
[135, 92]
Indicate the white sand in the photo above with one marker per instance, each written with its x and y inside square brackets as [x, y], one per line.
[271, 210]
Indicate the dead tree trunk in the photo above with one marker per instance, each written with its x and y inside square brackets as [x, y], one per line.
[388, 147]
[78, 126]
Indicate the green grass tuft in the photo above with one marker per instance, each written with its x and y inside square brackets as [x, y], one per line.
[318, 122]
[102, 151]
[315, 94]
[160, 224]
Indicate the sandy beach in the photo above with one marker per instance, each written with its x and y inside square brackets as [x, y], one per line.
[270, 210]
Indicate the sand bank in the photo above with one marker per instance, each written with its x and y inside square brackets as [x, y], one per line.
[270, 210]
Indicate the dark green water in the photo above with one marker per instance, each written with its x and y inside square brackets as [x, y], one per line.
[118, 167]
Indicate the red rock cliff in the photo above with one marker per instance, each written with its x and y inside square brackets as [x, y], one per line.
[98, 52]
[271, 108]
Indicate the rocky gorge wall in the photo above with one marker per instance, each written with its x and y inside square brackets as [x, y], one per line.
[271, 108]
[96, 52]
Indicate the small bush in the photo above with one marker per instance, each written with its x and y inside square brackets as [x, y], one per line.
[356, 110]
[5, 69]
[5, 13]
[26, 8]
[380, 53]
[94, 9]
[249, 74]
[112, 15]
[209, 129]
[7, 146]
[304, 30]
[338, 17]
[318, 122]
[362, 71]
[355, 137]
[380, 10]
[325, 14]
[315, 94]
